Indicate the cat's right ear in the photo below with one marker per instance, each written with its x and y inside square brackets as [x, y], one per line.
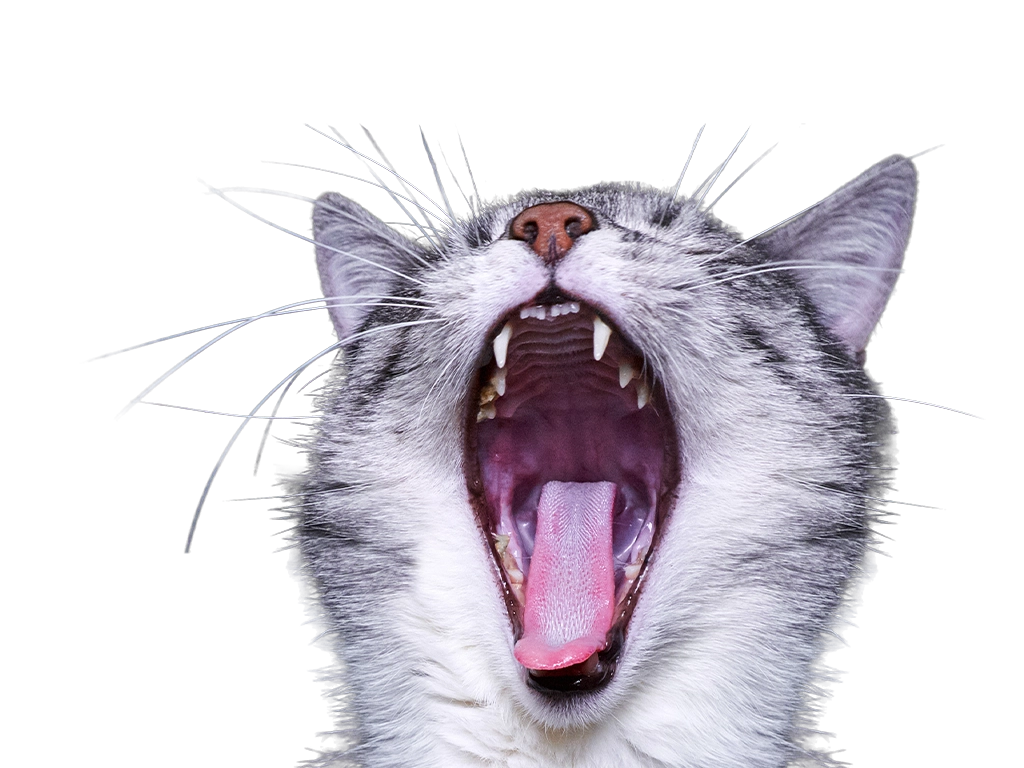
[360, 259]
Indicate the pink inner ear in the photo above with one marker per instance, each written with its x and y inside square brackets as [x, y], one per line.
[851, 247]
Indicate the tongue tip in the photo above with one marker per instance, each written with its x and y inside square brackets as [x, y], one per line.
[534, 653]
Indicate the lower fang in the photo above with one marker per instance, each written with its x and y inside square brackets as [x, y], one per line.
[626, 374]
[643, 394]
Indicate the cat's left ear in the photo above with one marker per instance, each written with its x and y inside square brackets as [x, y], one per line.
[850, 248]
[359, 257]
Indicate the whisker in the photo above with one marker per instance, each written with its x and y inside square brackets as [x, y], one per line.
[231, 442]
[352, 149]
[745, 171]
[437, 381]
[915, 402]
[706, 186]
[469, 203]
[679, 181]
[763, 269]
[223, 413]
[380, 185]
[275, 313]
[437, 176]
[238, 326]
[328, 206]
[365, 128]
[926, 151]
[398, 201]
[469, 168]
[774, 226]
[310, 240]
[270, 423]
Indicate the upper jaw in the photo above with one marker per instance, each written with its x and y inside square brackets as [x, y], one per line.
[568, 429]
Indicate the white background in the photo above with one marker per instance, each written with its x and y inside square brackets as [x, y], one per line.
[120, 651]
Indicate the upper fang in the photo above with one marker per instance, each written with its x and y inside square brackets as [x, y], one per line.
[501, 345]
[602, 333]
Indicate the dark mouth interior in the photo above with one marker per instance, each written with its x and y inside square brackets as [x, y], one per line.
[573, 450]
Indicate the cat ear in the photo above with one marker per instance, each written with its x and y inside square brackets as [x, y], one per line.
[359, 257]
[857, 237]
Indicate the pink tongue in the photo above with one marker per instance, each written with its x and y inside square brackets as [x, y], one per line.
[570, 589]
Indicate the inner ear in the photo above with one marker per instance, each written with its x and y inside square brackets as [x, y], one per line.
[360, 259]
[850, 248]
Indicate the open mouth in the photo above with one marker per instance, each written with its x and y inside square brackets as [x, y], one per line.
[572, 466]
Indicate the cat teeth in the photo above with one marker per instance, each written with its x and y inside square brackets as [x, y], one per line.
[549, 312]
[643, 393]
[498, 380]
[626, 374]
[602, 334]
[501, 345]
[486, 412]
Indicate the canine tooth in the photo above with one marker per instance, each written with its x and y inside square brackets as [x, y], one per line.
[498, 380]
[643, 394]
[632, 571]
[602, 333]
[501, 345]
[626, 374]
[487, 411]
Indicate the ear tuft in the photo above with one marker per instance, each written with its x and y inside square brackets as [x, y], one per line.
[852, 246]
[359, 257]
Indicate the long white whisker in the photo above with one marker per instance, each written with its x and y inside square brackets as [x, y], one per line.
[293, 196]
[437, 176]
[398, 198]
[772, 228]
[391, 166]
[352, 149]
[427, 214]
[785, 267]
[469, 203]
[293, 233]
[720, 169]
[277, 313]
[745, 171]
[915, 402]
[682, 174]
[223, 413]
[237, 327]
[227, 448]
[469, 168]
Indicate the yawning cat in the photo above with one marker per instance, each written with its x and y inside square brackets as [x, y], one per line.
[593, 473]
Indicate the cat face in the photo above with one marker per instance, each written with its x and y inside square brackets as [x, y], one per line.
[592, 465]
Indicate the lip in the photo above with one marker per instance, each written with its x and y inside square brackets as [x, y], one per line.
[613, 426]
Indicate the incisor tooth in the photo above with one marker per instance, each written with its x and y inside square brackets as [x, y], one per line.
[626, 374]
[643, 393]
[602, 333]
[501, 345]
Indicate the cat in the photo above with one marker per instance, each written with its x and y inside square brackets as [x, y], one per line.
[593, 473]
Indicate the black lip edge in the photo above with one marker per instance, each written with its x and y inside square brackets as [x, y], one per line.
[573, 685]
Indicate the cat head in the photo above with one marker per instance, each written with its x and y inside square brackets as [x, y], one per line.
[594, 462]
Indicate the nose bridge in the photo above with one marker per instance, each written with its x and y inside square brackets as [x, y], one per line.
[550, 229]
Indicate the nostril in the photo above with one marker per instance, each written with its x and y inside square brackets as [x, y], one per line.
[550, 229]
[530, 230]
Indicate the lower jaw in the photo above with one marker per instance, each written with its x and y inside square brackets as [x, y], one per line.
[591, 675]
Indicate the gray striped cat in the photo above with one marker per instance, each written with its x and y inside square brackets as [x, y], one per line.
[594, 473]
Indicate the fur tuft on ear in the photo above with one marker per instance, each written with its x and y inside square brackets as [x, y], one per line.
[852, 244]
[360, 259]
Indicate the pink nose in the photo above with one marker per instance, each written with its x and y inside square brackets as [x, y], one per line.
[550, 229]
